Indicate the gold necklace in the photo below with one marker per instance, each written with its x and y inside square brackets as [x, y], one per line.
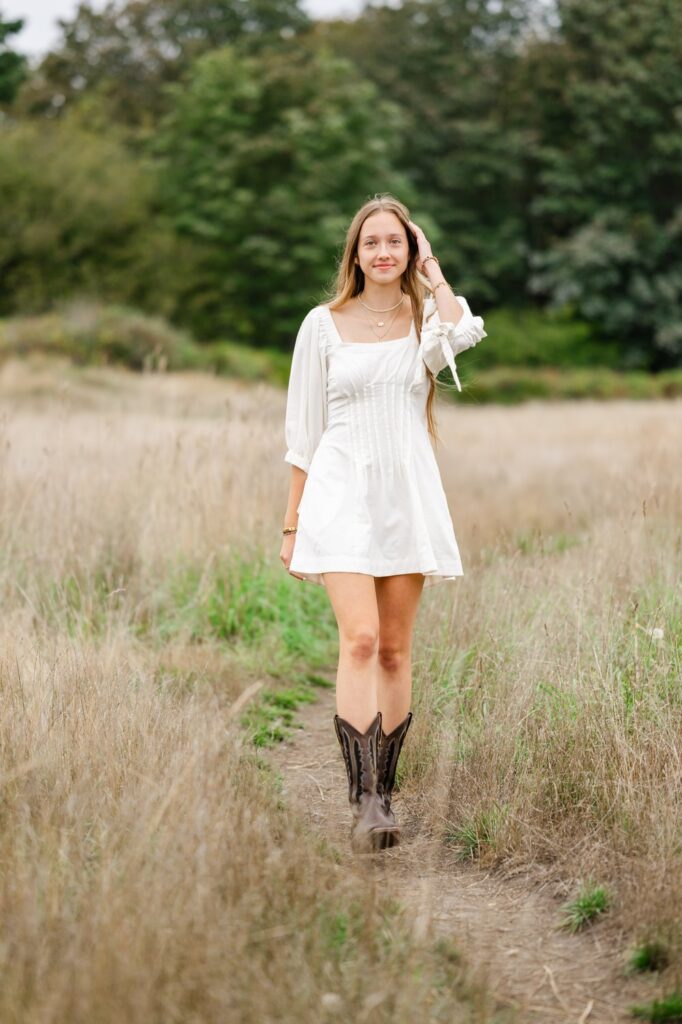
[380, 323]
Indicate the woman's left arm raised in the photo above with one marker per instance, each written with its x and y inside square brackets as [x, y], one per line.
[449, 327]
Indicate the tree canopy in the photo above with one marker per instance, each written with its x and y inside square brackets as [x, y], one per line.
[260, 163]
[13, 65]
[539, 142]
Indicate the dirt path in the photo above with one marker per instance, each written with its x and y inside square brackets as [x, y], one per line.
[505, 928]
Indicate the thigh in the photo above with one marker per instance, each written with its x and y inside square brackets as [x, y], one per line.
[354, 601]
[397, 602]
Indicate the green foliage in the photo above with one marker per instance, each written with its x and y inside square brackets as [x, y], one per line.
[271, 719]
[471, 837]
[668, 1009]
[546, 164]
[244, 598]
[589, 904]
[531, 338]
[78, 216]
[127, 52]
[13, 66]
[262, 163]
[452, 73]
[509, 385]
[649, 956]
[606, 214]
[530, 542]
[88, 333]
[230, 359]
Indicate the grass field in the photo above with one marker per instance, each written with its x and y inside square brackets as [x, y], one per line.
[149, 867]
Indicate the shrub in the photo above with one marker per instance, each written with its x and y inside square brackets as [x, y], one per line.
[91, 333]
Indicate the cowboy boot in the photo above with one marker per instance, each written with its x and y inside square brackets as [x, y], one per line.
[389, 751]
[371, 828]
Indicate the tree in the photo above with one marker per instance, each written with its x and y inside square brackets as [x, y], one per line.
[606, 98]
[78, 216]
[12, 65]
[448, 64]
[131, 49]
[263, 162]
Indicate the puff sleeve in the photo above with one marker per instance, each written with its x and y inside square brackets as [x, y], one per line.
[306, 409]
[441, 342]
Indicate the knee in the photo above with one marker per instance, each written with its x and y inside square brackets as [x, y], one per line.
[362, 644]
[393, 658]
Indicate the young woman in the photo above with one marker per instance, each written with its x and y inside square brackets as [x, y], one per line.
[367, 515]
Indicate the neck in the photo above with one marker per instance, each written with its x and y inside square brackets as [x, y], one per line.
[382, 296]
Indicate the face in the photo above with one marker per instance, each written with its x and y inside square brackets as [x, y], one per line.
[383, 252]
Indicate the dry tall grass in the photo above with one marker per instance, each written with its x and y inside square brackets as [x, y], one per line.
[147, 868]
[149, 871]
[555, 672]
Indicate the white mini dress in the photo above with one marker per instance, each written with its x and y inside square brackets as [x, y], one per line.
[373, 501]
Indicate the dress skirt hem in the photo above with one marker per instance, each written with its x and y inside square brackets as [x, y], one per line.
[431, 576]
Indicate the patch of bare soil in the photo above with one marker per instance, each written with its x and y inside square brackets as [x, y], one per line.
[506, 928]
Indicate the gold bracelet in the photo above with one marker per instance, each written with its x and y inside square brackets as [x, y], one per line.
[290, 529]
[438, 286]
[427, 258]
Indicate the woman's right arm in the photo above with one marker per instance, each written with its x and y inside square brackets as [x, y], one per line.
[306, 417]
[296, 484]
[306, 411]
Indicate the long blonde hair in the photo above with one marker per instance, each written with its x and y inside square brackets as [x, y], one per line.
[350, 278]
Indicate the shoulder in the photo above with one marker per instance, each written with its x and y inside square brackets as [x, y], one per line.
[311, 318]
[311, 332]
[316, 313]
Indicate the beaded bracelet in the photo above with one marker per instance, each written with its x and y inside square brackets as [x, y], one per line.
[290, 529]
[427, 258]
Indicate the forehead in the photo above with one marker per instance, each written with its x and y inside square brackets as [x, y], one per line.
[382, 223]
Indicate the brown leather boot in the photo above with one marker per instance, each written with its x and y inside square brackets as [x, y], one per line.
[389, 751]
[371, 828]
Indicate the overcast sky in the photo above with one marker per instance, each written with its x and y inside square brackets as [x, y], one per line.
[40, 17]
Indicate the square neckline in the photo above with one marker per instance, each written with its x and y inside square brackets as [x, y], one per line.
[365, 344]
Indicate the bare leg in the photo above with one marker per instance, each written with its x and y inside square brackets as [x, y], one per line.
[397, 601]
[354, 601]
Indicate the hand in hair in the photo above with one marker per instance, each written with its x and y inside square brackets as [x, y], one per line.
[422, 242]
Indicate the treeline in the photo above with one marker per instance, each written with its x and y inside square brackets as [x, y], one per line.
[202, 161]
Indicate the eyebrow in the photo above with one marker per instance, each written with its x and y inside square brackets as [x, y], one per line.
[393, 234]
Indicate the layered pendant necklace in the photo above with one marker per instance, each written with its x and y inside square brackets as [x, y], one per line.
[382, 322]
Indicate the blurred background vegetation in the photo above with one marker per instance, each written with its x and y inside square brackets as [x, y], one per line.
[176, 180]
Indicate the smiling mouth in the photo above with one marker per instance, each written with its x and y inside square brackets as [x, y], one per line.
[384, 266]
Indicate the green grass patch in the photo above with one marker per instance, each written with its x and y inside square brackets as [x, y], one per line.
[668, 1009]
[510, 385]
[81, 603]
[272, 718]
[245, 598]
[591, 902]
[322, 681]
[472, 837]
[649, 956]
[530, 542]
